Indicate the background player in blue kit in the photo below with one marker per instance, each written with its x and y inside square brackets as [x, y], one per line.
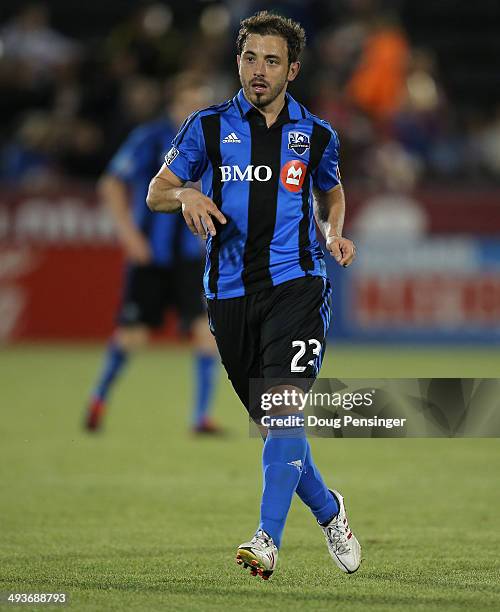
[260, 156]
[164, 260]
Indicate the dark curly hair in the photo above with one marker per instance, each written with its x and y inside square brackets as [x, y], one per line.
[265, 24]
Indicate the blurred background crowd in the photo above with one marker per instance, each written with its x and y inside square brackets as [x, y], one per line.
[412, 87]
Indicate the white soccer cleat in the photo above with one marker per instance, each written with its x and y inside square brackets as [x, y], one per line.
[343, 545]
[260, 554]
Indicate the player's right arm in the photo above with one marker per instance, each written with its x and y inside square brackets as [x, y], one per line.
[114, 193]
[185, 162]
[126, 168]
[167, 194]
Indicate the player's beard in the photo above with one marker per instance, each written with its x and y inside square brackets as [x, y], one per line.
[261, 100]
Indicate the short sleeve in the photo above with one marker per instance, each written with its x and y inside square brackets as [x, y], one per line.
[187, 156]
[327, 174]
[132, 158]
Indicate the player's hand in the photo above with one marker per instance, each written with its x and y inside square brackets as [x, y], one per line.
[136, 247]
[198, 211]
[342, 249]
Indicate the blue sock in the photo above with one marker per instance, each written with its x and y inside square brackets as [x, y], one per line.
[314, 492]
[283, 447]
[115, 360]
[205, 374]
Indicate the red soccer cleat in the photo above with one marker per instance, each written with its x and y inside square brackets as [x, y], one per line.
[208, 427]
[95, 413]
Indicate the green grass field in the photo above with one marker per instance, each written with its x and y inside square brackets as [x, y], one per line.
[144, 517]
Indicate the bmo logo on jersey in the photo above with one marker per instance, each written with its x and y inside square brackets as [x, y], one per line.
[250, 173]
[293, 174]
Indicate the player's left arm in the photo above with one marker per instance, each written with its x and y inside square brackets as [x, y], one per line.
[329, 212]
[329, 202]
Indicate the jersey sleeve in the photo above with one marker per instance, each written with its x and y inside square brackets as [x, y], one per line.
[132, 158]
[187, 156]
[327, 174]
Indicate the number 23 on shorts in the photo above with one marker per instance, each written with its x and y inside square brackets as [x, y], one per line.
[302, 347]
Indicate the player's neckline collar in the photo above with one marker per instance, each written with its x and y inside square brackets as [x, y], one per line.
[258, 118]
[294, 109]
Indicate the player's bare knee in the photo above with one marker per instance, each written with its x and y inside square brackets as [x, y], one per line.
[283, 400]
[132, 338]
[202, 337]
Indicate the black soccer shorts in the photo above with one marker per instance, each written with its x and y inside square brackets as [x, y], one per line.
[275, 334]
[150, 290]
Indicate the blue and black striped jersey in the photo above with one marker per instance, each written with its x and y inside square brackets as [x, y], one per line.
[261, 179]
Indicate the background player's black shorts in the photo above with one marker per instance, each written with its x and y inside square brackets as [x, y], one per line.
[277, 333]
[150, 290]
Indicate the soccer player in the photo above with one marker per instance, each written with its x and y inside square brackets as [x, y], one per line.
[164, 260]
[260, 157]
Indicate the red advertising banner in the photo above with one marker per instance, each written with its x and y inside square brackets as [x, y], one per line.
[60, 266]
[61, 269]
[433, 289]
[58, 292]
[427, 301]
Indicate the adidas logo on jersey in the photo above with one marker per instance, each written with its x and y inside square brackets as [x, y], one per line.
[232, 137]
[297, 463]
